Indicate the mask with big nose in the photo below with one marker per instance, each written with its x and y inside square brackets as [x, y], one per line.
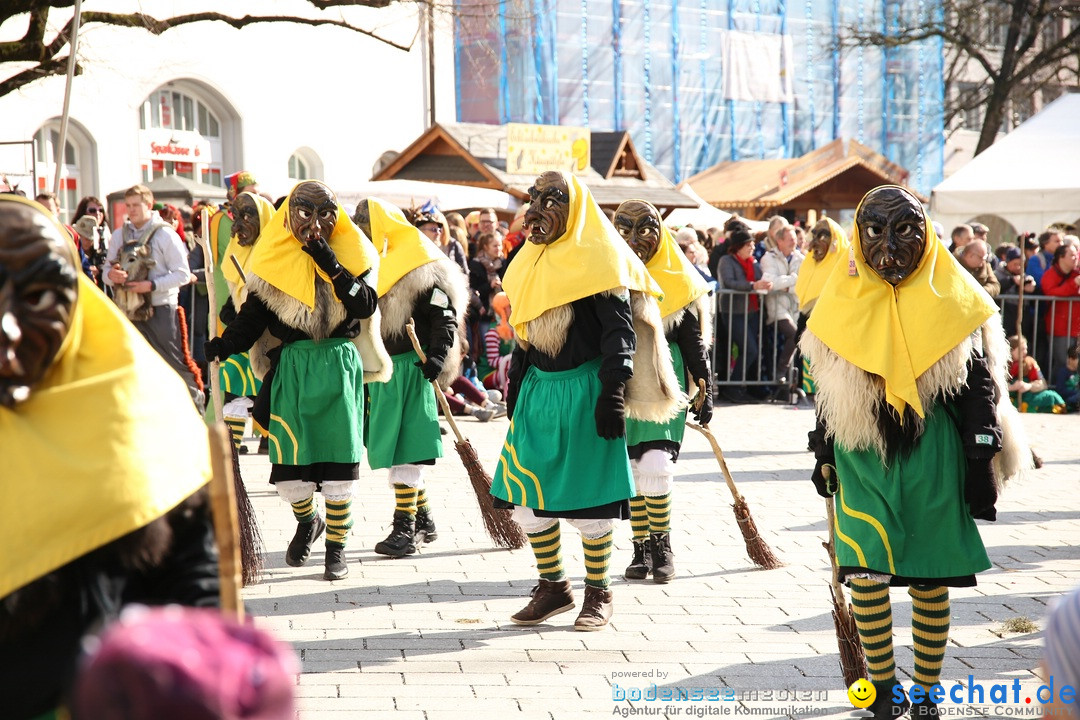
[638, 223]
[892, 233]
[312, 212]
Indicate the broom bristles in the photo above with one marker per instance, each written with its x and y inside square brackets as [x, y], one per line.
[756, 547]
[250, 539]
[852, 656]
[499, 525]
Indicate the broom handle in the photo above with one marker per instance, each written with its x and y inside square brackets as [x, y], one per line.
[1020, 331]
[410, 327]
[226, 524]
[720, 458]
[838, 590]
[211, 321]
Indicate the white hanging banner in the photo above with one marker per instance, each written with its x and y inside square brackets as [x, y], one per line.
[757, 66]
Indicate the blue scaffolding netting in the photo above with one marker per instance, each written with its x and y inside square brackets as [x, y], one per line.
[698, 82]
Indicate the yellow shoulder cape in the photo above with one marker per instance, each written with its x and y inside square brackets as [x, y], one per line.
[279, 260]
[899, 333]
[679, 281]
[106, 443]
[242, 253]
[401, 245]
[589, 258]
[813, 274]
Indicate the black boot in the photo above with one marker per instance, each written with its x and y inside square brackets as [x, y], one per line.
[336, 567]
[663, 559]
[402, 539]
[426, 525]
[884, 706]
[306, 535]
[925, 708]
[640, 567]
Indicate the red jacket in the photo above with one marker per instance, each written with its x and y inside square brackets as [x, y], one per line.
[1058, 322]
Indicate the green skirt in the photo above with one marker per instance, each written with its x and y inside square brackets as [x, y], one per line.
[403, 417]
[236, 376]
[1047, 401]
[316, 404]
[553, 459]
[639, 431]
[808, 385]
[909, 520]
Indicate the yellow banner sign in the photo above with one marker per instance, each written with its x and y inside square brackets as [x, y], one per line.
[533, 149]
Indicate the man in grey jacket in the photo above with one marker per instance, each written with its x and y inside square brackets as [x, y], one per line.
[780, 265]
[168, 273]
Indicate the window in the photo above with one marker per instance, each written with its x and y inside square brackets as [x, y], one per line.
[45, 141]
[177, 111]
[298, 169]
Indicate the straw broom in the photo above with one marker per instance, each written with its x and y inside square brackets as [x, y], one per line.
[223, 507]
[756, 547]
[251, 552]
[852, 656]
[500, 528]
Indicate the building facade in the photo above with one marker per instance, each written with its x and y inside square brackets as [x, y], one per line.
[287, 102]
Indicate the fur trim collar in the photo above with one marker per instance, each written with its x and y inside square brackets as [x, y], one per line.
[317, 322]
[399, 303]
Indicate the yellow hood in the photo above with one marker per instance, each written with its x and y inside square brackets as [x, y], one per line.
[242, 253]
[899, 333]
[589, 258]
[93, 453]
[279, 260]
[680, 282]
[813, 274]
[400, 244]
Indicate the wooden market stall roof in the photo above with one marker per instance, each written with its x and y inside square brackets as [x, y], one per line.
[833, 177]
[475, 154]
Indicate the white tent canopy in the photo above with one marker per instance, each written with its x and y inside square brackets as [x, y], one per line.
[1029, 178]
[414, 193]
[704, 216]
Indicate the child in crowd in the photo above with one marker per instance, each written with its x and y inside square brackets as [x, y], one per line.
[1029, 382]
[1067, 380]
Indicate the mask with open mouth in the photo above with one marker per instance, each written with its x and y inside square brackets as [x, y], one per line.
[639, 224]
[38, 289]
[820, 240]
[246, 225]
[312, 212]
[892, 233]
[549, 208]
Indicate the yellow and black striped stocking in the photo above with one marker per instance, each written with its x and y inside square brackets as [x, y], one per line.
[873, 617]
[929, 631]
[338, 521]
[659, 513]
[421, 501]
[236, 429]
[639, 518]
[405, 497]
[547, 548]
[597, 560]
[304, 510]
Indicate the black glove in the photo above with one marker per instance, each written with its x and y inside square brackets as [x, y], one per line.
[324, 257]
[704, 414]
[214, 349]
[980, 492]
[610, 411]
[228, 312]
[430, 369]
[824, 479]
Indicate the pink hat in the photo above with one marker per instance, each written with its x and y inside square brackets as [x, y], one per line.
[180, 663]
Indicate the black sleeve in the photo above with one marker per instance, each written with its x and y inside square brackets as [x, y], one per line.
[695, 356]
[478, 281]
[519, 363]
[359, 298]
[247, 326]
[617, 339]
[820, 444]
[980, 430]
[228, 312]
[188, 574]
[442, 320]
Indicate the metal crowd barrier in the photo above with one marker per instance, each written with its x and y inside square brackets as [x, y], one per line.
[762, 340]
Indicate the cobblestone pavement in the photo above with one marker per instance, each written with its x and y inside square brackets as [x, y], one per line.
[429, 636]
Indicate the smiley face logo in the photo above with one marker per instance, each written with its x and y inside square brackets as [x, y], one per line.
[862, 693]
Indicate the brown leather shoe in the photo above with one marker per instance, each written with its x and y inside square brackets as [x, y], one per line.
[595, 611]
[549, 597]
